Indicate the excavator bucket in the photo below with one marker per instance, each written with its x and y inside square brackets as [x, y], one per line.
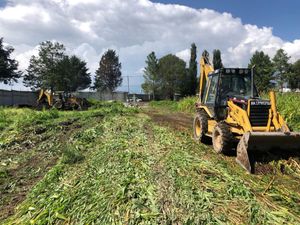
[265, 141]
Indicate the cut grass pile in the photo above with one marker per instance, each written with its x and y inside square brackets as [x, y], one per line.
[136, 172]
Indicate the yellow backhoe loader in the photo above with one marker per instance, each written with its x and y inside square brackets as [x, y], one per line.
[45, 99]
[60, 100]
[229, 110]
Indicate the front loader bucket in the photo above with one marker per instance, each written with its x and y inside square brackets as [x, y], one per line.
[265, 141]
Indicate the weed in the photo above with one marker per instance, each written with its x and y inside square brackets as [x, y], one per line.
[72, 155]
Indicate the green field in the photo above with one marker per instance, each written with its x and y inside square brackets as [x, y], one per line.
[116, 165]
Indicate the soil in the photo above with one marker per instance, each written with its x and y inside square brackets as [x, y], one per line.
[178, 121]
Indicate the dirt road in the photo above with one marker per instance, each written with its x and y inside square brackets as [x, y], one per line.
[175, 120]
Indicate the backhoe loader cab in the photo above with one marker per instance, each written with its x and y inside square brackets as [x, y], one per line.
[229, 110]
[225, 84]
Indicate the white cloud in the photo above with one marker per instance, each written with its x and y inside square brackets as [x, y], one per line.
[134, 28]
[184, 55]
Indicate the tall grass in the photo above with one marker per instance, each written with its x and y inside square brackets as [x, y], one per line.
[289, 106]
[187, 104]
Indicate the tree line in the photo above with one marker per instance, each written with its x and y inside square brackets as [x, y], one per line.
[55, 70]
[276, 70]
[168, 76]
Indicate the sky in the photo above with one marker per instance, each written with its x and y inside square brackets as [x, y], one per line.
[282, 15]
[135, 28]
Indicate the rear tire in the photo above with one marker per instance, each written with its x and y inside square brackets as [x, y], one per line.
[200, 127]
[222, 138]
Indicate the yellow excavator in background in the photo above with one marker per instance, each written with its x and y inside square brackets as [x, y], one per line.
[60, 100]
[230, 110]
[45, 99]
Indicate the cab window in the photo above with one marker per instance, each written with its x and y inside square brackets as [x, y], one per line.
[212, 90]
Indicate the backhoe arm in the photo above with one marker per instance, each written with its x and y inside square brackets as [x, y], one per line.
[205, 69]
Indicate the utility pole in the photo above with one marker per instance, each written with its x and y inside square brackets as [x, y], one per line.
[153, 91]
[128, 84]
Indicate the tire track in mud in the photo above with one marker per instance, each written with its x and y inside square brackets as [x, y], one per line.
[159, 172]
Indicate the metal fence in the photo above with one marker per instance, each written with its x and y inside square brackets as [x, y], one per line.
[103, 96]
[18, 98]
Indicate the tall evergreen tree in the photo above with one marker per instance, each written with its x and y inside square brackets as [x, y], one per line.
[151, 77]
[8, 67]
[217, 60]
[192, 71]
[108, 75]
[282, 66]
[263, 70]
[43, 71]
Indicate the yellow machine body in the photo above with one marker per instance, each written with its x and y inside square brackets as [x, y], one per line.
[239, 119]
[60, 100]
[45, 98]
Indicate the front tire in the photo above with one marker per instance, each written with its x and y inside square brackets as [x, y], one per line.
[222, 138]
[200, 127]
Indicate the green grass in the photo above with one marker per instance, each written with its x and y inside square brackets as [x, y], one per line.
[288, 106]
[121, 168]
[136, 172]
[168, 104]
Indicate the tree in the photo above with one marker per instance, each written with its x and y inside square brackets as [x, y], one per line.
[263, 70]
[281, 66]
[108, 75]
[192, 71]
[294, 75]
[8, 67]
[173, 75]
[217, 60]
[151, 77]
[43, 70]
[73, 73]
